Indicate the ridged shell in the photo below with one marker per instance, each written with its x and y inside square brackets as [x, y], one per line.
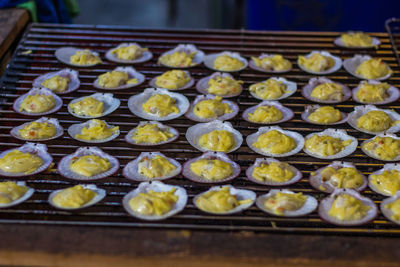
[210, 58]
[351, 65]
[334, 68]
[38, 91]
[59, 129]
[73, 76]
[132, 73]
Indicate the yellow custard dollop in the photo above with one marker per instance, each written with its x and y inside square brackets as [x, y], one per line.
[328, 91]
[387, 182]
[219, 201]
[394, 207]
[88, 106]
[275, 142]
[316, 62]
[346, 177]
[386, 148]
[325, 115]
[325, 145]
[155, 167]
[84, 57]
[275, 63]
[375, 121]
[115, 78]
[211, 169]
[74, 197]
[356, 39]
[56, 83]
[130, 52]
[270, 89]
[151, 133]
[172, 79]
[217, 140]
[37, 103]
[227, 63]
[178, 59]
[370, 93]
[211, 108]
[222, 86]
[265, 114]
[348, 208]
[281, 202]
[273, 172]
[373, 68]
[96, 130]
[38, 130]
[11, 191]
[154, 203]
[160, 105]
[89, 165]
[16, 161]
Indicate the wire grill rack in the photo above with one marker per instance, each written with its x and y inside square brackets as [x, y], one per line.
[44, 39]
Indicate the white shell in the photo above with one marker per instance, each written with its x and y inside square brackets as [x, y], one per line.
[156, 186]
[131, 170]
[202, 84]
[351, 65]
[38, 91]
[393, 92]
[75, 129]
[387, 212]
[135, 104]
[23, 198]
[186, 172]
[64, 55]
[286, 112]
[386, 167]
[339, 42]
[291, 88]
[146, 55]
[194, 133]
[132, 73]
[192, 116]
[253, 65]
[362, 110]
[314, 82]
[316, 180]
[371, 154]
[252, 138]
[309, 109]
[249, 173]
[188, 48]
[334, 68]
[101, 193]
[241, 194]
[73, 84]
[39, 150]
[59, 129]
[64, 169]
[110, 104]
[189, 84]
[336, 133]
[210, 58]
[309, 206]
[326, 204]
[128, 137]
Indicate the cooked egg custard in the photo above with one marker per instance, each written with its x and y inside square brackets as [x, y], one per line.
[178, 59]
[325, 115]
[328, 91]
[10, 192]
[227, 63]
[345, 177]
[88, 106]
[375, 121]
[275, 142]
[370, 93]
[348, 208]
[89, 165]
[325, 145]
[37, 103]
[217, 140]
[211, 108]
[385, 148]
[277, 172]
[84, 57]
[356, 39]
[172, 79]
[74, 197]
[131, 52]
[154, 203]
[387, 182]
[281, 202]
[57, 83]
[155, 167]
[38, 130]
[265, 114]
[270, 89]
[316, 62]
[151, 133]
[394, 207]
[274, 63]
[96, 130]
[373, 68]
[16, 161]
[219, 201]
[223, 86]
[160, 105]
[211, 169]
[115, 78]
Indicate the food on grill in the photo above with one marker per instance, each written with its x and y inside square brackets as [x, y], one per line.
[93, 131]
[273, 89]
[173, 80]
[129, 53]
[220, 84]
[383, 147]
[182, 56]
[225, 61]
[338, 174]
[39, 130]
[324, 90]
[270, 63]
[357, 40]
[324, 115]
[206, 108]
[366, 67]
[390, 208]
[13, 193]
[160, 105]
[89, 165]
[268, 112]
[119, 78]
[374, 92]
[151, 133]
[37, 102]
[319, 62]
[60, 82]
[85, 57]
[386, 181]
[93, 106]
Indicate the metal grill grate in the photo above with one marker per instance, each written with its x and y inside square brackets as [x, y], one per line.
[44, 39]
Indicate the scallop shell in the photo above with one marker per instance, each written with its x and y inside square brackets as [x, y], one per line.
[101, 193]
[241, 194]
[334, 68]
[146, 55]
[75, 129]
[194, 133]
[338, 41]
[156, 186]
[233, 106]
[59, 129]
[351, 65]
[109, 102]
[362, 110]
[393, 92]
[309, 109]
[371, 154]
[314, 82]
[387, 212]
[73, 84]
[291, 88]
[128, 137]
[38, 91]
[189, 84]
[317, 183]
[186, 172]
[336, 133]
[39, 150]
[249, 173]
[188, 48]
[326, 204]
[286, 112]
[210, 58]
[386, 167]
[23, 198]
[309, 206]
[131, 170]
[202, 84]
[64, 55]
[64, 170]
[253, 65]
[135, 104]
[252, 138]
[132, 73]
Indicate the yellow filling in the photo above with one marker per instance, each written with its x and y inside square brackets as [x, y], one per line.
[369, 93]
[281, 202]
[151, 133]
[328, 91]
[387, 182]
[16, 161]
[154, 203]
[275, 142]
[10, 192]
[227, 63]
[129, 52]
[219, 201]
[172, 79]
[348, 208]
[37, 103]
[74, 197]
[265, 114]
[268, 90]
[386, 148]
[96, 130]
[373, 68]
[222, 86]
[375, 121]
[115, 78]
[316, 62]
[346, 177]
[325, 145]
[325, 115]
[276, 62]
[38, 130]
[88, 106]
[356, 39]
[84, 57]
[56, 83]
[211, 108]
[217, 140]
[178, 59]
[395, 208]
[273, 172]
[155, 167]
[160, 105]
[211, 169]
[89, 165]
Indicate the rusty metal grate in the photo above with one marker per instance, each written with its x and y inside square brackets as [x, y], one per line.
[44, 39]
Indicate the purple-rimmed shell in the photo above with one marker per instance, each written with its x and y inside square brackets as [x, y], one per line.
[249, 173]
[64, 55]
[59, 129]
[314, 82]
[202, 85]
[110, 104]
[189, 84]
[188, 49]
[75, 129]
[38, 91]
[240, 194]
[156, 186]
[287, 114]
[187, 172]
[146, 55]
[337, 63]
[386, 167]
[325, 186]
[128, 137]
[291, 88]
[252, 138]
[20, 200]
[326, 204]
[339, 42]
[64, 165]
[210, 58]
[131, 170]
[72, 75]
[372, 154]
[393, 94]
[388, 213]
[132, 74]
[227, 116]
[39, 150]
[351, 65]
[254, 66]
[309, 109]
